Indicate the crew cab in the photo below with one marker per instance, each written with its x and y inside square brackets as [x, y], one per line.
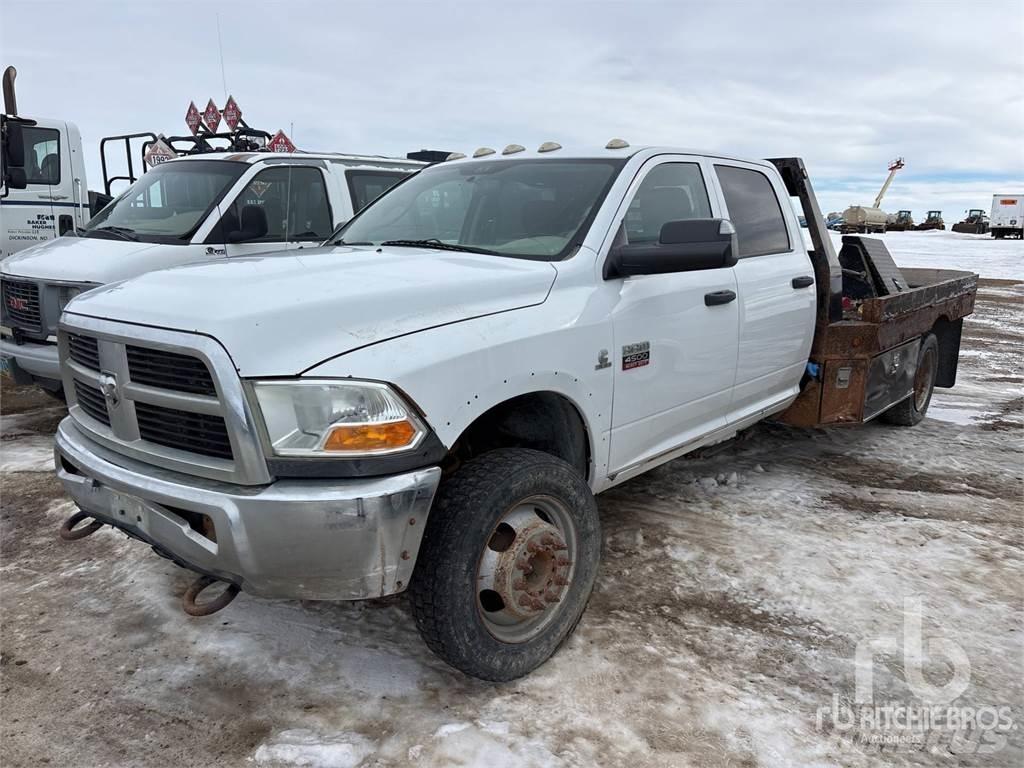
[430, 401]
[195, 208]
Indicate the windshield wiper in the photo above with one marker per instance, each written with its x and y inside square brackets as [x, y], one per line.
[342, 242]
[439, 245]
[123, 232]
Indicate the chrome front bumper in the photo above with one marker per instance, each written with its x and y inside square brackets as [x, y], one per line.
[40, 360]
[309, 539]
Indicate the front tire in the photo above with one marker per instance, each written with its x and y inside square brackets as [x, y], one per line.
[912, 410]
[507, 564]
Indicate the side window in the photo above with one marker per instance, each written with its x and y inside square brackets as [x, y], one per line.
[367, 186]
[294, 201]
[670, 192]
[42, 155]
[754, 210]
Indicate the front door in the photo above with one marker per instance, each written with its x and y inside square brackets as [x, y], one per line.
[675, 350]
[30, 215]
[280, 207]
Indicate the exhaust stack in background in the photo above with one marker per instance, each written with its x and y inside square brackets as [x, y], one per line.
[10, 104]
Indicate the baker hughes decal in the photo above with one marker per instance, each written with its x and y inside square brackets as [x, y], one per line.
[636, 355]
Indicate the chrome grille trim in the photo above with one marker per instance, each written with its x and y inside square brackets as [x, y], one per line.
[248, 465]
[22, 304]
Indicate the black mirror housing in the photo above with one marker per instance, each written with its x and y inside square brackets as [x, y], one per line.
[16, 178]
[14, 145]
[683, 246]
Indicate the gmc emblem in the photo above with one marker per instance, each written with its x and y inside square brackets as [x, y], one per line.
[16, 303]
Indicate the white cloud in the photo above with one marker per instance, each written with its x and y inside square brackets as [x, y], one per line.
[939, 83]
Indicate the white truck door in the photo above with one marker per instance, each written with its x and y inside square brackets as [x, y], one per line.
[674, 358]
[776, 290]
[278, 208]
[28, 216]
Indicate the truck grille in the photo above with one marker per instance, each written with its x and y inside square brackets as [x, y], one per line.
[21, 302]
[91, 401]
[84, 351]
[195, 432]
[169, 370]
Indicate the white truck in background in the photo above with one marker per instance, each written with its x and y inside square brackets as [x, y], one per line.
[1007, 217]
[431, 400]
[194, 208]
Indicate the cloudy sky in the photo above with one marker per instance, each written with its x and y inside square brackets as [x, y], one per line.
[846, 85]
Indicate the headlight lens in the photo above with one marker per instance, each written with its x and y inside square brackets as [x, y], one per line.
[336, 417]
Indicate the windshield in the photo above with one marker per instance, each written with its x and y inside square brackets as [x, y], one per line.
[528, 209]
[168, 203]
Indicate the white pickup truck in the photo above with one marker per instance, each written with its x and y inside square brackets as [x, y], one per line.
[430, 401]
[195, 208]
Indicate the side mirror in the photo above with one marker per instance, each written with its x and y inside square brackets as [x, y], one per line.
[16, 178]
[683, 246]
[14, 145]
[253, 222]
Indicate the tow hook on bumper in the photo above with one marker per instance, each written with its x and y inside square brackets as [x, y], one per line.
[221, 601]
[68, 532]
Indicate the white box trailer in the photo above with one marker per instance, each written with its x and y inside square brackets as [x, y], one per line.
[1007, 219]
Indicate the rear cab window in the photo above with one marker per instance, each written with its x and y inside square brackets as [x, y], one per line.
[754, 210]
[367, 186]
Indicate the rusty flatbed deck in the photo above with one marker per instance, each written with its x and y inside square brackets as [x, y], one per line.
[855, 354]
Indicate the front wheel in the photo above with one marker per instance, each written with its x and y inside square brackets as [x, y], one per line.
[507, 564]
[912, 410]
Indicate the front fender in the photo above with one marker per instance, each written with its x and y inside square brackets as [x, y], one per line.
[456, 373]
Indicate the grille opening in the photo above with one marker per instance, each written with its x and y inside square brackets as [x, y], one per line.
[21, 303]
[68, 467]
[91, 401]
[197, 521]
[195, 432]
[84, 351]
[169, 370]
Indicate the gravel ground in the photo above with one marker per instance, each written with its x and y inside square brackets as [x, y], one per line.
[740, 596]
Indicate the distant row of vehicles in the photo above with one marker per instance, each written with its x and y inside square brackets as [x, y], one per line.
[1006, 220]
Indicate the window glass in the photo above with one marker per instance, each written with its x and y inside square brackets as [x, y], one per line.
[754, 210]
[367, 186]
[294, 200]
[42, 155]
[670, 192]
[530, 209]
[168, 203]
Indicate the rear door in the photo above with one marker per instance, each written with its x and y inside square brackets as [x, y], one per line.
[674, 358]
[775, 286]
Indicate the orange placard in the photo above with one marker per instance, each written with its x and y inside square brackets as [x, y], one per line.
[1007, 202]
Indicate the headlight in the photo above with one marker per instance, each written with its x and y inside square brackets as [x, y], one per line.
[336, 417]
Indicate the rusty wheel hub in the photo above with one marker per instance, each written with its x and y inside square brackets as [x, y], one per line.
[526, 569]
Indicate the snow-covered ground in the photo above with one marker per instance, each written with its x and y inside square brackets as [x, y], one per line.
[735, 592]
[982, 254]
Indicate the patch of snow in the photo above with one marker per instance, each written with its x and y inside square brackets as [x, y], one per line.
[28, 454]
[305, 747]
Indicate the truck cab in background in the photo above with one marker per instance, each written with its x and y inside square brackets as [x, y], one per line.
[193, 208]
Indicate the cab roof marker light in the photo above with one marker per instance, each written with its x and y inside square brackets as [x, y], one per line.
[549, 146]
[511, 149]
[726, 228]
[483, 152]
[617, 144]
[455, 156]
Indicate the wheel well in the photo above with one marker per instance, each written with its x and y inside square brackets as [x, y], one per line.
[543, 421]
[948, 335]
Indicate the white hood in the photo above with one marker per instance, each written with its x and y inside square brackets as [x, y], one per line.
[279, 314]
[96, 260]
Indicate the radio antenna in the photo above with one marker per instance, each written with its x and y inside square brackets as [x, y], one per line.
[220, 49]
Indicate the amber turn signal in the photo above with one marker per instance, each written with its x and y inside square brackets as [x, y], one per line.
[366, 438]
